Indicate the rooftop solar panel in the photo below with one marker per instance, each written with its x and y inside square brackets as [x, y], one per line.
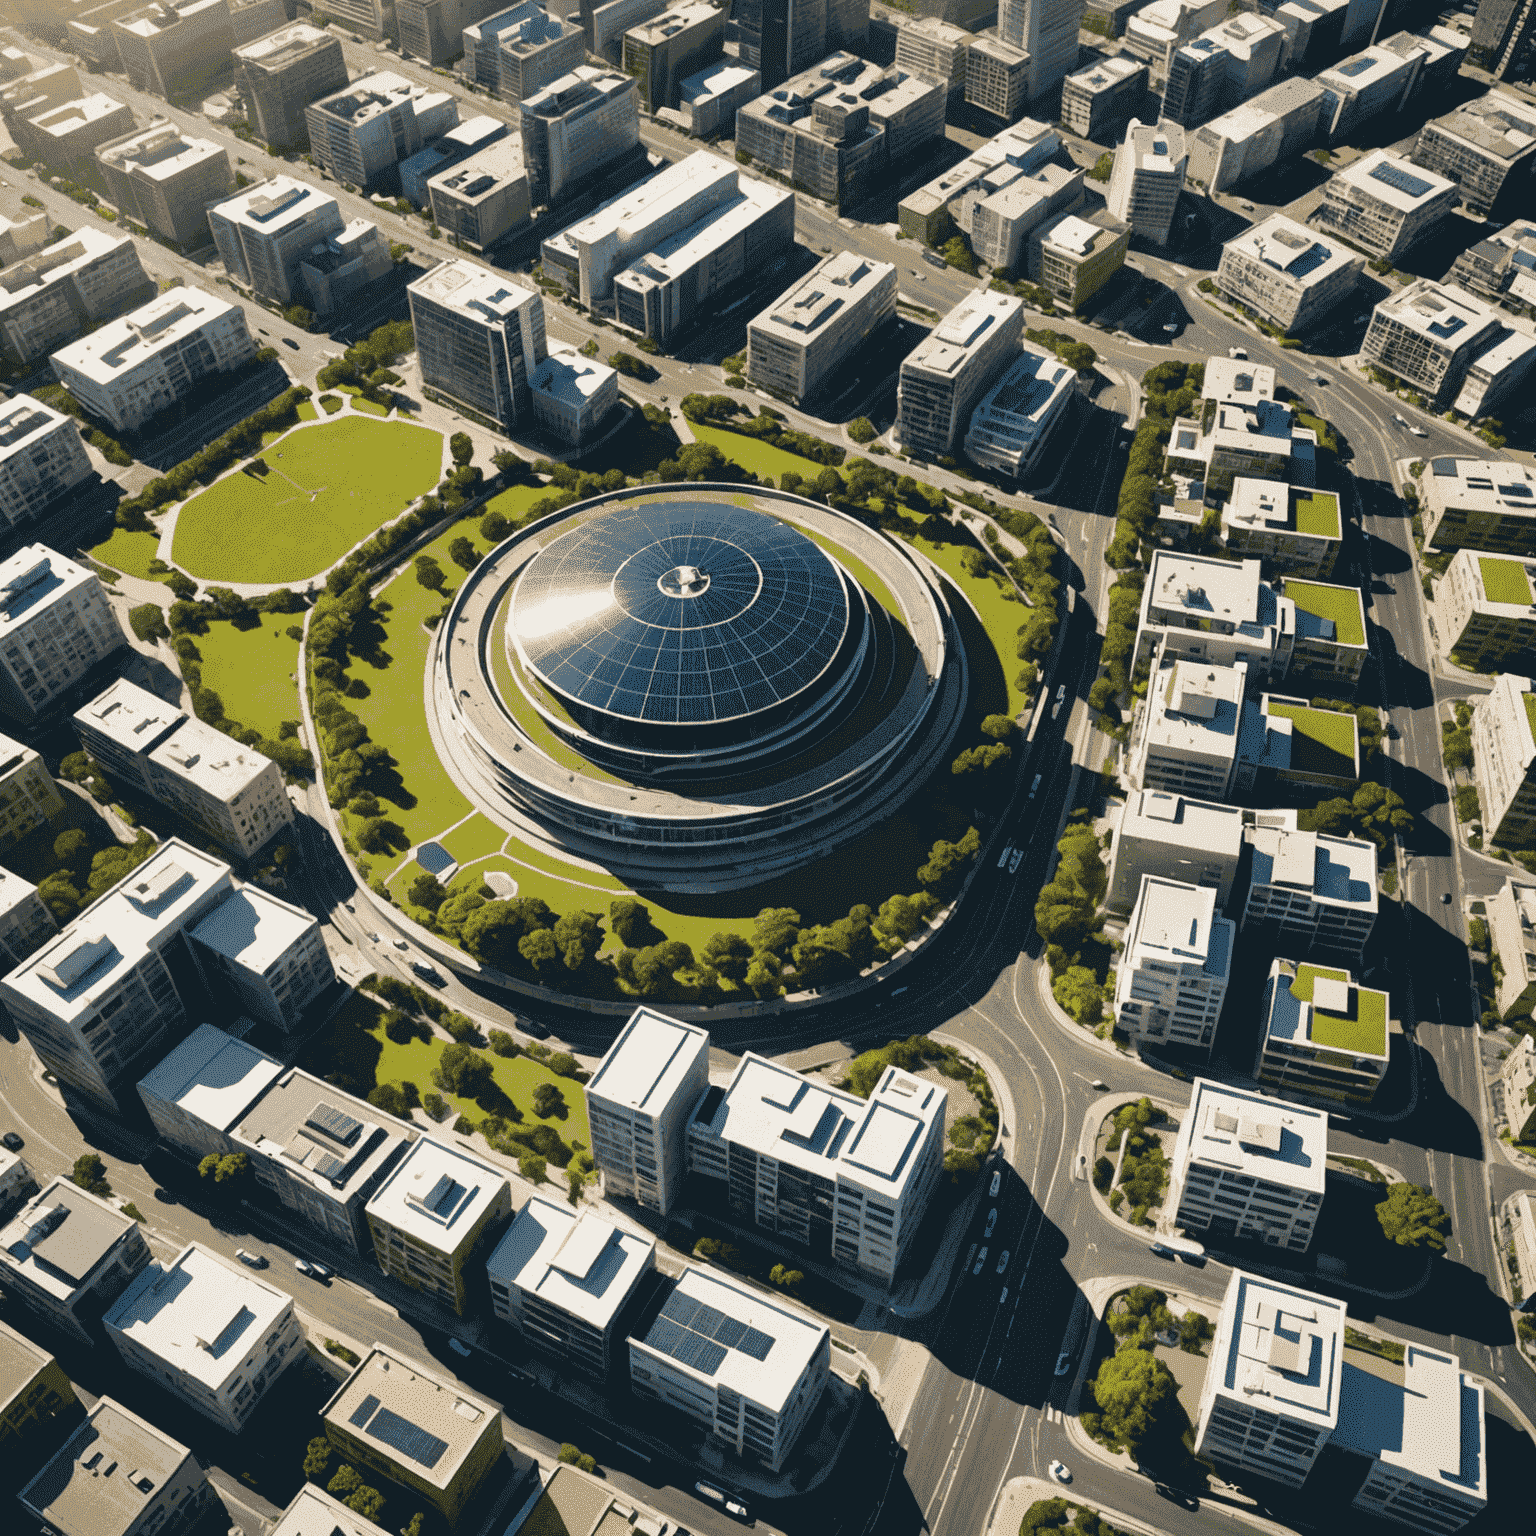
[364, 1411]
[756, 1343]
[680, 1308]
[329, 1166]
[1399, 180]
[664, 1336]
[701, 1354]
[407, 1438]
[729, 1332]
[334, 1123]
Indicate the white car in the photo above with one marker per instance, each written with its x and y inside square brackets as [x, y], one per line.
[981, 1260]
[1417, 431]
[255, 1260]
[1239, 354]
[991, 1222]
[1061, 1472]
[1002, 1262]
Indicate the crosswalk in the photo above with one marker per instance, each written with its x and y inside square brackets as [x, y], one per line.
[1055, 1416]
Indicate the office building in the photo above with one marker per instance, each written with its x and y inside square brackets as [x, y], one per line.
[50, 297]
[1308, 888]
[829, 1169]
[133, 369]
[67, 1255]
[997, 78]
[36, 92]
[196, 1094]
[28, 796]
[1047, 31]
[103, 998]
[575, 126]
[264, 232]
[1485, 613]
[1098, 102]
[934, 50]
[1286, 274]
[1384, 77]
[1015, 420]
[160, 1487]
[1291, 528]
[1314, 31]
[1487, 504]
[566, 1282]
[209, 1331]
[1271, 1395]
[20, 237]
[65, 137]
[434, 1208]
[662, 52]
[1503, 754]
[707, 102]
[42, 458]
[834, 129]
[1245, 1166]
[177, 49]
[605, 25]
[639, 1103]
[484, 198]
[1072, 257]
[279, 75]
[479, 337]
[25, 921]
[1518, 1072]
[1171, 978]
[1512, 924]
[362, 132]
[1497, 375]
[1157, 31]
[950, 369]
[1324, 1035]
[572, 395]
[1201, 609]
[1241, 144]
[1429, 335]
[453, 148]
[756, 1394]
[779, 38]
[433, 30]
[796, 346]
[1148, 177]
[268, 955]
[1330, 649]
[1384, 205]
[1487, 147]
[1504, 39]
[370, 18]
[1193, 842]
[394, 1416]
[166, 180]
[999, 222]
[1186, 732]
[521, 51]
[344, 262]
[34, 1393]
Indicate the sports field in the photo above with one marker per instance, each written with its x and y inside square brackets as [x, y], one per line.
[324, 488]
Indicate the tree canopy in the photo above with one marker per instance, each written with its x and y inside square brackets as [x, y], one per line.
[1412, 1217]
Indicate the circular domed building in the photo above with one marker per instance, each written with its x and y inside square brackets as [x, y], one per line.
[696, 687]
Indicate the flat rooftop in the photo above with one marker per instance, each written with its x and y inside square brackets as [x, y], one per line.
[285, 46]
[1336, 871]
[1273, 506]
[1502, 582]
[1280, 1349]
[1177, 923]
[1328, 1009]
[568, 376]
[1302, 254]
[486, 171]
[830, 289]
[314, 1512]
[165, 324]
[72, 116]
[272, 206]
[649, 1062]
[684, 249]
[1395, 181]
[1326, 611]
[23, 422]
[1080, 235]
[1194, 824]
[1196, 707]
[33, 579]
[60, 1235]
[678, 19]
[20, 1362]
[469, 289]
[376, 94]
[1021, 147]
[1025, 394]
[436, 1194]
[1248, 1134]
[130, 716]
[954, 340]
[212, 1076]
[1500, 125]
[1222, 591]
[1483, 485]
[1440, 312]
[1317, 741]
[159, 153]
[217, 764]
[1105, 74]
[254, 928]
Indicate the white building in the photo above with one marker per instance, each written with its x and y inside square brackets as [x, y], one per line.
[1431, 336]
[25, 921]
[1171, 978]
[134, 368]
[572, 395]
[518, 52]
[797, 344]
[639, 1103]
[1148, 177]
[1323, 1034]
[1312, 888]
[1385, 204]
[1188, 727]
[167, 178]
[1248, 1167]
[563, 1279]
[55, 625]
[208, 1330]
[1287, 275]
[757, 1394]
[194, 1095]
[16, 1182]
[822, 1166]
[1486, 147]
[51, 295]
[269, 954]
[1487, 504]
[1072, 257]
[41, 458]
[29, 798]
[1047, 31]
[65, 137]
[1098, 101]
[1485, 612]
[575, 126]
[1157, 31]
[263, 233]
[997, 77]
[1243, 143]
[361, 133]
[1503, 759]
[934, 50]
[1195, 842]
[1501, 266]
[1197, 608]
[1271, 1395]
[482, 199]
[314, 1512]
[1019, 415]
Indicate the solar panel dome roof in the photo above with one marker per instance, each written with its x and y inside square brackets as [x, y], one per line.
[680, 613]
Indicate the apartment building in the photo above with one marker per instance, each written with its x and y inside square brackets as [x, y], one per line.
[1512, 924]
[1187, 728]
[1314, 31]
[1147, 179]
[1271, 1398]
[453, 148]
[1171, 978]
[279, 75]
[1157, 31]
[1285, 274]
[1487, 147]
[166, 179]
[934, 50]
[1430, 335]
[997, 78]
[1173, 837]
[396, 1417]
[50, 297]
[1331, 647]
[1485, 613]
[1217, 612]
[605, 25]
[1015, 420]
[1384, 205]
[347, 261]
[1047, 31]
[177, 49]
[1487, 504]
[824, 1167]
[1497, 376]
[29, 798]
[1384, 77]
[55, 625]
[42, 458]
[200, 1090]
[479, 338]
[1503, 754]
[166, 1491]
[209, 1331]
[1307, 888]
[572, 395]
[1271, 127]
[1287, 741]
[709, 100]
[312, 1510]
[567, 1282]
[796, 346]
[779, 38]
[264, 232]
[1291, 528]
[1503, 38]
[950, 369]
[433, 1210]
[662, 52]
[103, 997]
[639, 1104]
[65, 137]
[756, 1394]
[1324, 1036]
[433, 30]
[1501, 267]
[34, 1393]
[134, 368]
[362, 132]
[266, 954]
[1518, 1073]
[67, 1254]
[519, 52]
[37, 90]
[1099, 101]
[484, 198]
[1072, 257]
[20, 237]
[1244, 1166]
[25, 921]
[575, 126]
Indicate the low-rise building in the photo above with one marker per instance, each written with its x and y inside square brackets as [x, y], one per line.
[67, 1255]
[209, 1331]
[1307, 888]
[1384, 204]
[661, 53]
[1023, 149]
[441, 155]
[1244, 1166]
[265, 954]
[1485, 504]
[1485, 613]
[1285, 274]
[264, 232]
[1324, 1035]
[1074, 256]
[755, 1394]
[50, 296]
[997, 78]
[1512, 925]
[396, 1417]
[573, 396]
[1291, 528]
[197, 1093]
[1287, 741]
[1201, 609]
[34, 1394]
[16, 1182]
[483, 199]
[1015, 420]
[566, 1282]
[28, 795]
[65, 137]
[1487, 147]
[1503, 758]
[1171, 977]
[1518, 1074]
[1195, 842]
[280, 74]
[1098, 102]
[1385, 77]
[1147, 179]
[361, 133]
[709, 99]
[25, 921]
[167, 179]
[1331, 647]
[1187, 728]
[575, 126]
[1501, 267]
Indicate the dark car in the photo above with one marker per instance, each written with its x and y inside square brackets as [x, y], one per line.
[288, 341]
[13, 1141]
[433, 978]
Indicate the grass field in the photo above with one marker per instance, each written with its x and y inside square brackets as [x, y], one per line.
[129, 553]
[326, 487]
[1317, 513]
[252, 670]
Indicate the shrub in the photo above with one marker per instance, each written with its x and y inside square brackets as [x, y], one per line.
[148, 622]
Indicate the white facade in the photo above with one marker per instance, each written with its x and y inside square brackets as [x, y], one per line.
[575, 126]
[1188, 728]
[25, 921]
[41, 458]
[202, 1088]
[1385, 204]
[1314, 889]
[1148, 177]
[270, 953]
[46, 298]
[360, 134]
[482, 199]
[1047, 31]
[1195, 842]
[1022, 149]
[264, 232]
[572, 395]
[1171, 978]
[1286, 274]
[1197, 608]
[1102, 96]
[1503, 753]
[1479, 504]
[1017, 417]
[280, 74]
[335, 268]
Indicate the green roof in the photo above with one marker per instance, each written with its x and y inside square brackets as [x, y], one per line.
[1364, 1033]
[1323, 741]
[1343, 605]
[1504, 581]
[1316, 513]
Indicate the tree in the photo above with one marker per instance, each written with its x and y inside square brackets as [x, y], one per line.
[90, 1173]
[502, 1044]
[577, 938]
[148, 622]
[317, 1458]
[346, 1481]
[1077, 989]
[1102, 167]
[774, 930]
[1133, 1390]
[221, 1169]
[572, 1457]
[1000, 727]
[462, 1071]
[461, 448]
[547, 1100]
[463, 554]
[1412, 1218]
[427, 891]
[72, 848]
[389, 1098]
[538, 948]
[862, 430]
[296, 314]
[1077, 355]
[367, 1502]
[430, 574]
[532, 1166]
[729, 954]
[787, 1279]
[628, 919]
[957, 252]
[413, 1526]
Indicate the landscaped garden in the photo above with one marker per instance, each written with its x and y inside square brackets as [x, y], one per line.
[1323, 741]
[1130, 1167]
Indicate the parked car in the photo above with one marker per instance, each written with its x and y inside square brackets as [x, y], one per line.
[1239, 354]
[1100, 1084]
[981, 1260]
[991, 1222]
[729, 1502]
[1002, 1262]
[399, 943]
[255, 1260]
[1162, 1250]
[997, 1183]
[288, 341]
[13, 1141]
[1417, 431]
[303, 1267]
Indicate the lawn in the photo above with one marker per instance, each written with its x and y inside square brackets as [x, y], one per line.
[1363, 1033]
[252, 670]
[1323, 741]
[1317, 513]
[1342, 605]
[325, 488]
[1504, 581]
[127, 552]
[760, 458]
